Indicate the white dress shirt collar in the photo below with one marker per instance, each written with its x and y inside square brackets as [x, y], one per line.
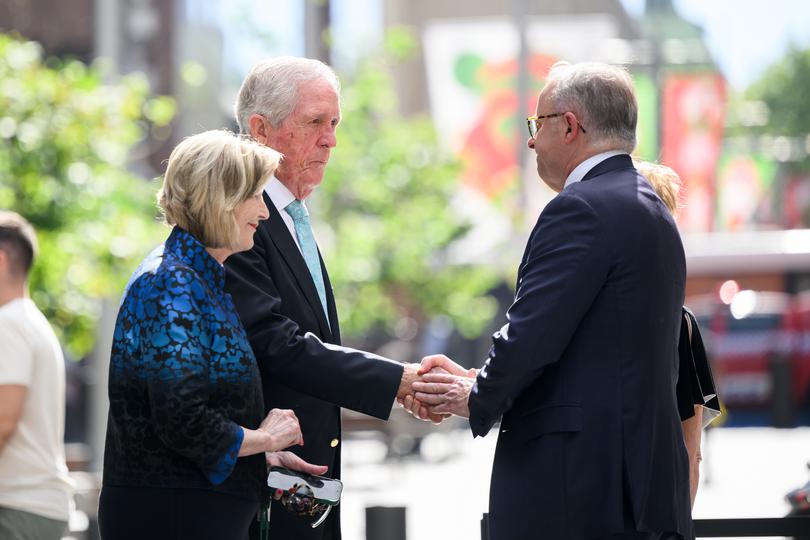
[281, 197]
[585, 167]
[278, 193]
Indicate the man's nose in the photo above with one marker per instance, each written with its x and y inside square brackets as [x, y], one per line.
[530, 143]
[329, 139]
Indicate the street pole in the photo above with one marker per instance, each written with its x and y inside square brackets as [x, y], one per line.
[316, 25]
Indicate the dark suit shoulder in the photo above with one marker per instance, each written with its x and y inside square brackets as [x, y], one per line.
[571, 211]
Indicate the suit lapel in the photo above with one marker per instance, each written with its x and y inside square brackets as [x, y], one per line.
[334, 326]
[284, 242]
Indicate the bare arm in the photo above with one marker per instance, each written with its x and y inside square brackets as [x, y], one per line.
[692, 431]
[12, 397]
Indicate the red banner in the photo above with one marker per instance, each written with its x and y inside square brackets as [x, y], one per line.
[692, 121]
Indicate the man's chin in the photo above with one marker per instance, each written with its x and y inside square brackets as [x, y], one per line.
[555, 185]
[313, 177]
[308, 185]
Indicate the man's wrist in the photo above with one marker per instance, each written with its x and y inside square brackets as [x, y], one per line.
[408, 377]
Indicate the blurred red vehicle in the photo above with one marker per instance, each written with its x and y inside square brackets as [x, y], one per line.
[759, 347]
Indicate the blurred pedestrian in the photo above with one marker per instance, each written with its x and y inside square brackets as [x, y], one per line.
[35, 490]
[698, 404]
[186, 438]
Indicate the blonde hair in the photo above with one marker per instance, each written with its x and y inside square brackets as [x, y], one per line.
[665, 182]
[207, 177]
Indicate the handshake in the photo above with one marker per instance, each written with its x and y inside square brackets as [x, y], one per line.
[436, 388]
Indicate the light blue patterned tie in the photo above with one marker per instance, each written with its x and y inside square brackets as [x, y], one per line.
[303, 230]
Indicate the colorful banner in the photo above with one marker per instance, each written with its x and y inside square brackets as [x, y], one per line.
[489, 149]
[744, 191]
[692, 118]
[472, 76]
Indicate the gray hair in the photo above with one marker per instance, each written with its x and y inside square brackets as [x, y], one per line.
[602, 96]
[271, 88]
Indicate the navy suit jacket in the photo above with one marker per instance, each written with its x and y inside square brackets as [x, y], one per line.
[302, 366]
[584, 373]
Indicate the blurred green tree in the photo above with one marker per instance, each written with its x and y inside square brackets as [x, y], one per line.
[788, 109]
[387, 204]
[65, 140]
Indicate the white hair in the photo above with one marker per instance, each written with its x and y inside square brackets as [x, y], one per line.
[271, 88]
[602, 96]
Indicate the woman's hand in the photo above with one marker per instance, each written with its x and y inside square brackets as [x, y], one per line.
[283, 428]
[293, 462]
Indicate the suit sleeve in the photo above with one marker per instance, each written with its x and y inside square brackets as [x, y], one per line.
[564, 268]
[349, 378]
[177, 382]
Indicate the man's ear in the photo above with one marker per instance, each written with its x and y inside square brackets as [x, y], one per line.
[570, 120]
[259, 128]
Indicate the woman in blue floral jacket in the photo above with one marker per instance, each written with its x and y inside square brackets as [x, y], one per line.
[186, 441]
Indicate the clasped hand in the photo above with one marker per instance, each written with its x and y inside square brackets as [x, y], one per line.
[284, 431]
[439, 388]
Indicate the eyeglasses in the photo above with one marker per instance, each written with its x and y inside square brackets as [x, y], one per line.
[536, 122]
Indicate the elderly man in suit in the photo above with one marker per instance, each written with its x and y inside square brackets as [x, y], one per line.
[281, 288]
[582, 376]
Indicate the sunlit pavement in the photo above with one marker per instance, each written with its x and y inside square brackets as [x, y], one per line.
[746, 473]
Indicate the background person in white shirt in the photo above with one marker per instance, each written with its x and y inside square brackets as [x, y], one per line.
[35, 490]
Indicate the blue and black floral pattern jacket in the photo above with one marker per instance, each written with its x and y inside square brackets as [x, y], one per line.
[183, 379]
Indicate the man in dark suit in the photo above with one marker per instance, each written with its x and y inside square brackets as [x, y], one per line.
[281, 288]
[582, 376]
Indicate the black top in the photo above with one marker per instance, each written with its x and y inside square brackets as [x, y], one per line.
[183, 379]
[695, 381]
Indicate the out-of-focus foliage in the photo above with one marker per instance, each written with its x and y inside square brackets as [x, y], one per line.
[65, 138]
[783, 89]
[387, 200]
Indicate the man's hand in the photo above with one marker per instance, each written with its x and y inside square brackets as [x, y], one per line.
[438, 363]
[293, 462]
[410, 374]
[443, 393]
[418, 410]
[283, 428]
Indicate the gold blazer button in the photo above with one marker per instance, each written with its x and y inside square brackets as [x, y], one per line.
[334, 443]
